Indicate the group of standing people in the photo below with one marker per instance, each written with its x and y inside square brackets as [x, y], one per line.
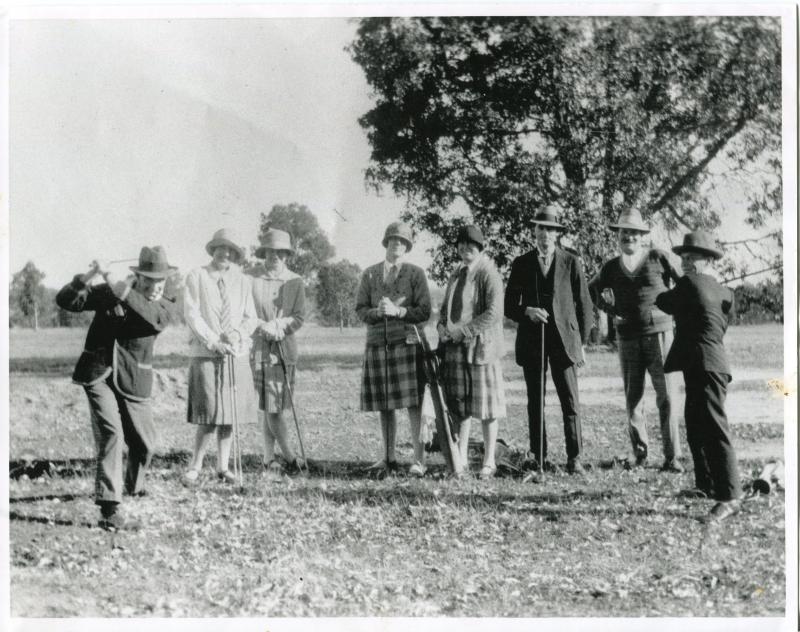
[244, 353]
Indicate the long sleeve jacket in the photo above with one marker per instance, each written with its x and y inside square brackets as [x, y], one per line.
[484, 331]
[289, 307]
[409, 290]
[572, 305]
[120, 337]
[701, 308]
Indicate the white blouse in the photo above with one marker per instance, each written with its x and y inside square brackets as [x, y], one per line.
[202, 304]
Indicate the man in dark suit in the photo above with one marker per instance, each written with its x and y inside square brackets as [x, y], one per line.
[547, 295]
[701, 308]
[116, 371]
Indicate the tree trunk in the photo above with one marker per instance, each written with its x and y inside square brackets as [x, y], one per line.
[341, 318]
[35, 316]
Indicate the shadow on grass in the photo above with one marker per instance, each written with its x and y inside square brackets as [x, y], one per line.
[15, 515]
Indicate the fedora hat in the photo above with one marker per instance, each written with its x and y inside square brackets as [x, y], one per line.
[631, 219]
[471, 233]
[401, 231]
[275, 239]
[547, 217]
[700, 242]
[225, 237]
[153, 263]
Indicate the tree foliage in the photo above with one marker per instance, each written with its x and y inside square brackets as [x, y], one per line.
[762, 302]
[589, 115]
[337, 284]
[311, 244]
[28, 299]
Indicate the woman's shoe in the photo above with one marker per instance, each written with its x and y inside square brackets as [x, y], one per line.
[190, 478]
[487, 472]
[226, 476]
[417, 470]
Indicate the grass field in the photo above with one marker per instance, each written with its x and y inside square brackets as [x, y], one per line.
[611, 543]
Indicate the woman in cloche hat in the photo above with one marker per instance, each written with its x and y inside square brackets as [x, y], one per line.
[702, 307]
[471, 329]
[116, 371]
[218, 307]
[279, 297]
[392, 296]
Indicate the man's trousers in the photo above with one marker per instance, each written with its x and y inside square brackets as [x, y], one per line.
[117, 421]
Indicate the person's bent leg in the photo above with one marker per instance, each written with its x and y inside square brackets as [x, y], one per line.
[141, 437]
[632, 364]
[666, 387]
[694, 429]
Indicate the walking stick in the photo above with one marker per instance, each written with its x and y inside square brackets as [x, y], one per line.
[237, 447]
[386, 381]
[542, 371]
[291, 402]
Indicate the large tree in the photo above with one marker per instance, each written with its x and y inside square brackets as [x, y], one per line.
[337, 284]
[311, 244]
[590, 115]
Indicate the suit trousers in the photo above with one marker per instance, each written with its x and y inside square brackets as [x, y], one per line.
[565, 379]
[117, 421]
[708, 434]
[637, 356]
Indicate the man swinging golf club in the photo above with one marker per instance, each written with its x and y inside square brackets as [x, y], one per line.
[116, 371]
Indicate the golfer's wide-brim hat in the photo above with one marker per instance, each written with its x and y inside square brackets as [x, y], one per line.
[547, 217]
[225, 237]
[275, 239]
[153, 263]
[401, 231]
[471, 233]
[700, 242]
[631, 220]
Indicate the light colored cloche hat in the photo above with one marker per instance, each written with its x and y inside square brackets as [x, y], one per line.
[401, 231]
[700, 242]
[631, 219]
[275, 239]
[225, 237]
[153, 263]
[547, 217]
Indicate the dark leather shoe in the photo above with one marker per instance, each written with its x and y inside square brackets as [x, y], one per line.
[641, 459]
[574, 466]
[673, 465]
[116, 522]
[724, 509]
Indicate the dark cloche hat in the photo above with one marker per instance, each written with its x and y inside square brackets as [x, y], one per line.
[401, 231]
[700, 242]
[471, 233]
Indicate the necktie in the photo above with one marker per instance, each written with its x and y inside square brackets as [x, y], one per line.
[458, 302]
[225, 307]
[392, 276]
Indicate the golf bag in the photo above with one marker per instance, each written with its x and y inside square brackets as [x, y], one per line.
[446, 427]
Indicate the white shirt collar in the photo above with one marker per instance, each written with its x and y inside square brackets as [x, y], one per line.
[388, 266]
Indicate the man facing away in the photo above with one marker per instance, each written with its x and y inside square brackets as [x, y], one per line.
[547, 295]
[644, 333]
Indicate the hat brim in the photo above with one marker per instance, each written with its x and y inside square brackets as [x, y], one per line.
[637, 227]
[709, 252]
[216, 243]
[408, 244]
[163, 274]
[546, 222]
[261, 251]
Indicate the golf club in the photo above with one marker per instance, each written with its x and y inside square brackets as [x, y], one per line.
[291, 402]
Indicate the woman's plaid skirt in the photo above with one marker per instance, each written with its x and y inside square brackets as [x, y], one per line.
[272, 394]
[391, 379]
[472, 390]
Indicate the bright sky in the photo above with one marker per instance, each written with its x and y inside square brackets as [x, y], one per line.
[133, 132]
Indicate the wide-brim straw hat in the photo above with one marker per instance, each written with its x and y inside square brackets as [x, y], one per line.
[275, 239]
[700, 242]
[225, 237]
[153, 263]
[631, 220]
[401, 231]
[547, 217]
[471, 233]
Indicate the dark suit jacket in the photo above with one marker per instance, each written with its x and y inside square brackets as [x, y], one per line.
[572, 305]
[701, 308]
[410, 285]
[120, 339]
